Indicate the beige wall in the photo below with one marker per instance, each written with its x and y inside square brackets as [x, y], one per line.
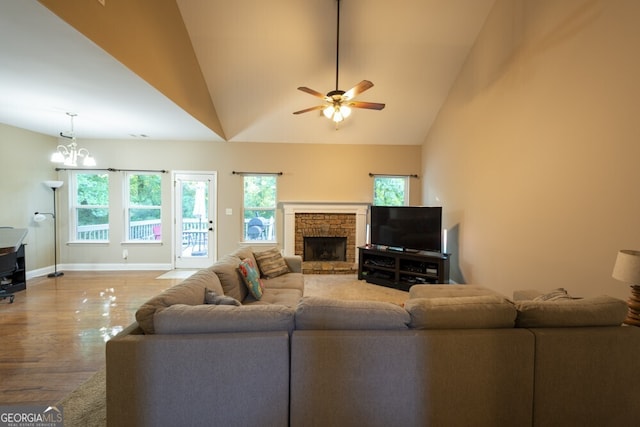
[334, 173]
[23, 168]
[535, 154]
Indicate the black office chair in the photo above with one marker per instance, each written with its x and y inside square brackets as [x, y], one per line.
[8, 264]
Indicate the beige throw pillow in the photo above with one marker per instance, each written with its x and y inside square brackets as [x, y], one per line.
[271, 263]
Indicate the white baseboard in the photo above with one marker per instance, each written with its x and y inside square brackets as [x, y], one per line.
[98, 267]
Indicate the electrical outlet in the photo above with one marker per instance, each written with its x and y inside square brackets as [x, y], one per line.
[125, 254]
[229, 211]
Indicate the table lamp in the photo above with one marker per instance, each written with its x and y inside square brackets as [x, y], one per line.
[627, 269]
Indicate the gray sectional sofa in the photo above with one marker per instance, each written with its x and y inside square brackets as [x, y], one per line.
[454, 355]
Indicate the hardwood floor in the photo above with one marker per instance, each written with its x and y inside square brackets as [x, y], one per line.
[52, 338]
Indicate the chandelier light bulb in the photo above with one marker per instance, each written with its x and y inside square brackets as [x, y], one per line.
[68, 154]
[57, 157]
[89, 160]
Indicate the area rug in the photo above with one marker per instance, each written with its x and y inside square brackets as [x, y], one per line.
[86, 405]
[348, 287]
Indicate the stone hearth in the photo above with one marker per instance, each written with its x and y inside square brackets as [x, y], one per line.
[325, 220]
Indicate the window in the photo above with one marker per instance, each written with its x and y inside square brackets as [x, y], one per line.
[259, 207]
[391, 190]
[90, 207]
[143, 206]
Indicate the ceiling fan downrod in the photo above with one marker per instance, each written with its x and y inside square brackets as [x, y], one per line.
[337, 43]
[338, 103]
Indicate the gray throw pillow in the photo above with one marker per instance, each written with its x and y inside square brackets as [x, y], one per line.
[212, 297]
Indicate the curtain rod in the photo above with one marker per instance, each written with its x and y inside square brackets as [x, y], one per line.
[113, 170]
[389, 174]
[256, 173]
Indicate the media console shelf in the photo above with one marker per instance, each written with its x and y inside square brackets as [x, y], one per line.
[402, 269]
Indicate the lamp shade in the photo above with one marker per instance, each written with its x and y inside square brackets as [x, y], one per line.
[54, 184]
[38, 217]
[627, 268]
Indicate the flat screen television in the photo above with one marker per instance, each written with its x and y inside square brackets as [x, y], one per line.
[407, 228]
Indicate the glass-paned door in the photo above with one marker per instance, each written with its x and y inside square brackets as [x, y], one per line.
[195, 232]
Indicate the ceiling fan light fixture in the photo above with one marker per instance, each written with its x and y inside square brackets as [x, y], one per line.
[333, 108]
[328, 112]
[337, 112]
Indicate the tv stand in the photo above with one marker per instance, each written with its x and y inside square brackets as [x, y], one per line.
[402, 269]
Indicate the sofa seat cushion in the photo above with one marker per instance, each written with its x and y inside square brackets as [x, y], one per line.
[191, 291]
[201, 319]
[596, 311]
[286, 281]
[461, 312]
[326, 313]
[285, 297]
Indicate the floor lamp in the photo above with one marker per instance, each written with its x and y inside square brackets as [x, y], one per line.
[39, 217]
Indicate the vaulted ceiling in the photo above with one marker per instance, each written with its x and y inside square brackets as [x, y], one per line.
[253, 54]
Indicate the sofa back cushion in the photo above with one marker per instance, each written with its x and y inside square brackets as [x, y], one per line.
[446, 291]
[326, 313]
[597, 311]
[191, 291]
[244, 253]
[458, 307]
[201, 319]
[463, 312]
[227, 270]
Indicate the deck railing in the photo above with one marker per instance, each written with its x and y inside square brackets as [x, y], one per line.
[149, 230]
[193, 231]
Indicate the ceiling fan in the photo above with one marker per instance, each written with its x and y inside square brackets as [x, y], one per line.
[338, 103]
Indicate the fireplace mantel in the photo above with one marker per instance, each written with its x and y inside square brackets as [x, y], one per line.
[291, 209]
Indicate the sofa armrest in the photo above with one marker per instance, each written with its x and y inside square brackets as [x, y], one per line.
[294, 262]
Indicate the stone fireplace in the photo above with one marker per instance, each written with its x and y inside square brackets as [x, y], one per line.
[325, 235]
[324, 248]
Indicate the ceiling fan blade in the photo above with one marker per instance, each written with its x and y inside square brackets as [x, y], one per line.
[357, 89]
[306, 110]
[368, 105]
[312, 92]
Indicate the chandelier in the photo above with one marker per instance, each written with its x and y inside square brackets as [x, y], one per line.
[68, 154]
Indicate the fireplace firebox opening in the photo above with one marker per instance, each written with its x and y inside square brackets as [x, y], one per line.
[325, 249]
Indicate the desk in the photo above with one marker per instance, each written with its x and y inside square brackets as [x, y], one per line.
[11, 242]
